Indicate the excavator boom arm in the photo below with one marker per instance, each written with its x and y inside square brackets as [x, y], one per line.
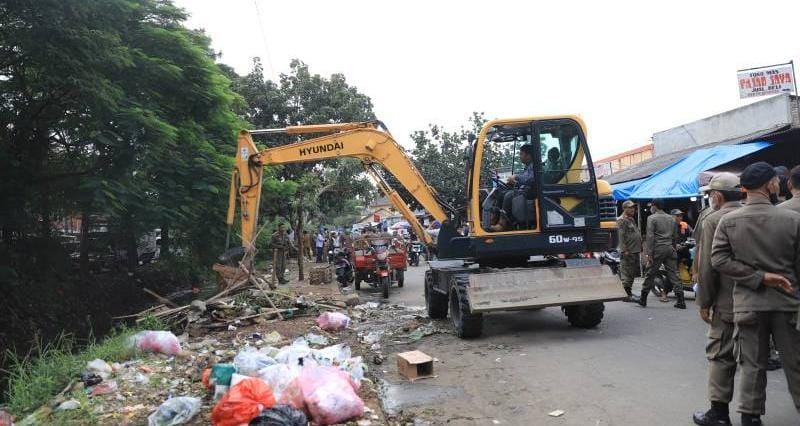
[355, 140]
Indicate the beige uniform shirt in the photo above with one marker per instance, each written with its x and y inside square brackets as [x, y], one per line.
[630, 239]
[752, 240]
[714, 289]
[660, 231]
[791, 204]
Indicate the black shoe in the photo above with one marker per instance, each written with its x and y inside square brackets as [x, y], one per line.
[774, 364]
[681, 303]
[643, 298]
[711, 418]
[751, 420]
[630, 298]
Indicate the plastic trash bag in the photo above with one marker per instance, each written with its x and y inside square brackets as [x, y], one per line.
[242, 403]
[329, 395]
[103, 388]
[278, 377]
[355, 367]
[296, 354]
[249, 360]
[332, 355]
[175, 411]
[316, 339]
[280, 415]
[157, 341]
[99, 367]
[332, 321]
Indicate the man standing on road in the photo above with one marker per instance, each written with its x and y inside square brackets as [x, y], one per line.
[715, 298]
[308, 246]
[660, 250]
[758, 247]
[319, 245]
[630, 248]
[281, 244]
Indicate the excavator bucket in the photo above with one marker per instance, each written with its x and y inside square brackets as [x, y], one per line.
[582, 281]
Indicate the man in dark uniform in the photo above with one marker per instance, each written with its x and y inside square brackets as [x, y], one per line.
[630, 247]
[280, 244]
[793, 203]
[660, 250]
[715, 298]
[758, 247]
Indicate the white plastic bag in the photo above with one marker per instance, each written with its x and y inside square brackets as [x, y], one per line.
[355, 367]
[249, 360]
[278, 377]
[297, 354]
[332, 321]
[157, 341]
[99, 367]
[175, 411]
[332, 355]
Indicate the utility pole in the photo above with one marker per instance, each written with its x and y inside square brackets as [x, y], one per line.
[299, 233]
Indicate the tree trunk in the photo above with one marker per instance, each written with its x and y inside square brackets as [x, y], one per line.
[84, 244]
[165, 242]
[132, 254]
[300, 242]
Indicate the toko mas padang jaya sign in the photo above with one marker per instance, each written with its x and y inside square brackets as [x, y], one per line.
[763, 81]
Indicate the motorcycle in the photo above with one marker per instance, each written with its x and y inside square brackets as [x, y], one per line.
[612, 259]
[379, 249]
[685, 258]
[344, 269]
[414, 252]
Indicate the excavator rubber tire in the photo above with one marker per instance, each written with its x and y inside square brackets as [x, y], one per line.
[401, 278]
[386, 282]
[584, 316]
[467, 324]
[435, 302]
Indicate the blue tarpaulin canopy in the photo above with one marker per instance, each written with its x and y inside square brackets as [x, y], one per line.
[679, 180]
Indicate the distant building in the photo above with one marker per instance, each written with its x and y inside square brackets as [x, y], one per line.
[616, 163]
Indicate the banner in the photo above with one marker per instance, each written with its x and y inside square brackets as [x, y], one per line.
[763, 81]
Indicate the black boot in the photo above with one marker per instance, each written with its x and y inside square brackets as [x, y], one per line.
[631, 297]
[716, 416]
[643, 298]
[751, 420]
[680, 304]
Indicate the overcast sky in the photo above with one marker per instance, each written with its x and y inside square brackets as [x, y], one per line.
[628, 68]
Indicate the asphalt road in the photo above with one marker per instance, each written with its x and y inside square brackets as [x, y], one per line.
[639, 367]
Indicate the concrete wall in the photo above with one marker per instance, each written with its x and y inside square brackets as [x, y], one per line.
[769, 114]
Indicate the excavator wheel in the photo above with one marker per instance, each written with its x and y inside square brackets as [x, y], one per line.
[584, 316]
[435, 302]
[467, 324]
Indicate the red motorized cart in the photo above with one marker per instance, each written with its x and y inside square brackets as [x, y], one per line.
[379, 262]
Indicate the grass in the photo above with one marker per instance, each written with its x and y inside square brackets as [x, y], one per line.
[43, 373]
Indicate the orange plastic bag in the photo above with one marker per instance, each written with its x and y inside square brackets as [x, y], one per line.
[205, 379]
[242, 403]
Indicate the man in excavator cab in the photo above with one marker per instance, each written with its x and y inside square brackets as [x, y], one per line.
[521, 184]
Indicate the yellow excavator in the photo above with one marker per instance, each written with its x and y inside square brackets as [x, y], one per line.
[530, 233]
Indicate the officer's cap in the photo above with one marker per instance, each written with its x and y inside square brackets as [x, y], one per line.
[628, 203]
[676, 212]
[725, 181]
[756, 175]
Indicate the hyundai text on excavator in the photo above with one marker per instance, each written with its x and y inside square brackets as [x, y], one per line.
[526, 247]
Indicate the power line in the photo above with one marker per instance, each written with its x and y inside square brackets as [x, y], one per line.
[264, 40]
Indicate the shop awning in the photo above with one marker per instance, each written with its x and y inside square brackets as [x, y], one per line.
[679, 180]
[622, 191]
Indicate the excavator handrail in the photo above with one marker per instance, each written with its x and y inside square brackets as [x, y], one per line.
[355, 140]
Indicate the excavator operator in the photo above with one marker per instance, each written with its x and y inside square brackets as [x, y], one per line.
[522, 182]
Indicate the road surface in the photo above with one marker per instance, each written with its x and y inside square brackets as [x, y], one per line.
[639, 367]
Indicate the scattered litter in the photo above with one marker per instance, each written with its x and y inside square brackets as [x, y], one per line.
[296, 354]
[70, 404]
[498, 360]
[280, 415]
[175, 411]
[272, 338]
[331, 321]
[100, 368]
[373, 337]
[331, 355]
[221, 374]
[330, 395]
[6, 419]
[232, 327]
[556, 413]
[242, 403]
[157, 341]
[90, 379]
[495, 421]
[414, 365]
[249, 360]
[278, 377]
[316, 339]
[104, 388]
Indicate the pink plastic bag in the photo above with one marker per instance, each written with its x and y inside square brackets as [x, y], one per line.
[158, 341]
[333, 321]
[104, 388]
[329, 395]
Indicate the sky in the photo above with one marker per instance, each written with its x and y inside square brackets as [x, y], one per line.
[630, 69]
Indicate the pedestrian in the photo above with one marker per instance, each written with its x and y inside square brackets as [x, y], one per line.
[698, 237]
[758, 247]
[784, 193]
[683, 232]
[308, 245]
[281, 244]
[793, 203]
[319, 245]
[660, 250]
[715, 298]
[630, 248]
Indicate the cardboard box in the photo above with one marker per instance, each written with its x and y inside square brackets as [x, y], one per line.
[414, 365]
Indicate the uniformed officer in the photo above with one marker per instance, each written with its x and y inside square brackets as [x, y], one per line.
[660, 250]
[630, 247]
[794, 187]
[697, 234]
[715, 298]
[281, 244]
[758, 246]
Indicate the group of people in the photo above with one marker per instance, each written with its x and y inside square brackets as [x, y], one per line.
[747, 266]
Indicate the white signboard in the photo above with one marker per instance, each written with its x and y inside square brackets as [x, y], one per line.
[764, 81]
